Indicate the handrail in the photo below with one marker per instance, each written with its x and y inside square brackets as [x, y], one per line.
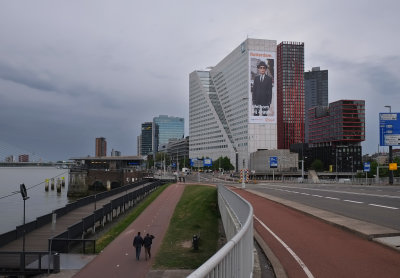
[235, 258]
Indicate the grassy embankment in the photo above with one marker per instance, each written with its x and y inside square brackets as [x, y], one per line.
[196, 213]
[121, 225]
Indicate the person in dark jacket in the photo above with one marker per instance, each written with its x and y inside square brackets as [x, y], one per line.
[262, 88]
[147, 242]
[138, 243]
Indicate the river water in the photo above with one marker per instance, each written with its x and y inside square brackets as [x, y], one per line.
[39, 203]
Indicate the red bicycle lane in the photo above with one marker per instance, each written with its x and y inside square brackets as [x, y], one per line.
[321, 248]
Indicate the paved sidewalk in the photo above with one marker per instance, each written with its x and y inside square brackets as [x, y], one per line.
[118, 258]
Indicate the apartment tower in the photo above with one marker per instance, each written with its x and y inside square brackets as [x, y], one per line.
[290, 97]
[101, 146]
[315, 92]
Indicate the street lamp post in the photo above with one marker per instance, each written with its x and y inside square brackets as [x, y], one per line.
[25, 197]
[302, 170]
[336, 166]
[95, 192]
[352, 168]
[390, 152]
[243, 173]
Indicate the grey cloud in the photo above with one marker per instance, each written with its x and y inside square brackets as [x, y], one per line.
[26, 77]
[384, 76]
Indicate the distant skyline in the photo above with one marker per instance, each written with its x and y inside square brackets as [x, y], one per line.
[71, 71]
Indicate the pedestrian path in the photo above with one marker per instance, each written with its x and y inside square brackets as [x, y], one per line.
[118, 258]
[37, 240]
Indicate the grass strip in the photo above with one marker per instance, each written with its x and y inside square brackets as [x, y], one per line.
[196, 213]
[120, 226]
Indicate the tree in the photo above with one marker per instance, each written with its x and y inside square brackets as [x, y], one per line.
[224, 163]
[317, 165]
[150, 162]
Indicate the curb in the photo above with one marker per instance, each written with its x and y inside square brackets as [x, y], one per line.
[276, 264]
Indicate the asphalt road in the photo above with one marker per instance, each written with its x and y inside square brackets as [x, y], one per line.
[375, 204]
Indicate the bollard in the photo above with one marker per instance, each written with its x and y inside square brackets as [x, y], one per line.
[46, 185]
[195, 242]
[62, 182]
[52, 184]
[58, 185]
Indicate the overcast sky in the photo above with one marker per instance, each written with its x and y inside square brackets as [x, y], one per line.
[71, 71]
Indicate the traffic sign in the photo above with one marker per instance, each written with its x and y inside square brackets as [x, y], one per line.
[389, 129]
[393, 166]
[195, 162]
[207, 162]
[273, 162]
[367, 166]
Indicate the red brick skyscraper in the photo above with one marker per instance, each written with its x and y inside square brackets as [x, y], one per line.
[101, 146]
[290, 95]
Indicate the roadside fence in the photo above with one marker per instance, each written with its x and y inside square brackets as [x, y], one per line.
[235, 259]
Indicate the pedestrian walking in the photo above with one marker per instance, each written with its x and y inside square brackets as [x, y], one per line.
[138, 243]
[147, 242]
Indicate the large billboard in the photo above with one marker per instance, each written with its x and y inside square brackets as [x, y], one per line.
[262, 87]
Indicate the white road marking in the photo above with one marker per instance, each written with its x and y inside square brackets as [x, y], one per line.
[317, 196]
[332, 198]
[305, 194]
[353, 201]
[298, 260]
[375, 205]
[343, 192]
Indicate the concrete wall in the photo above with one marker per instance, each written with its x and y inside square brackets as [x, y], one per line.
[287, 161]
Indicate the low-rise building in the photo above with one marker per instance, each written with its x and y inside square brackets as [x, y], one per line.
[260, 161]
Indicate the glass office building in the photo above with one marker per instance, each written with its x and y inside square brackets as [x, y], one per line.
[166, 128]
[315, 92]
[232, 106]
[146, 138]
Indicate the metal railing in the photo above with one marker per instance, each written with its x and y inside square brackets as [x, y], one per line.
[62, 241]
[28, 263]
[235, 258]
[72, 239]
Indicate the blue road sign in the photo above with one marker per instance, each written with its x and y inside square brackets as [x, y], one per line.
[367, 166]
[207, 162]
[196, 162]
[389, 129]
[273, 162]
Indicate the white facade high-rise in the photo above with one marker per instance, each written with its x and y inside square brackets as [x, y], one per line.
[224, 117]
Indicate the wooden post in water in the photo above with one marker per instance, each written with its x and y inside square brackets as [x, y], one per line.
[52, 184]
[58, 185]
[46, 185]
